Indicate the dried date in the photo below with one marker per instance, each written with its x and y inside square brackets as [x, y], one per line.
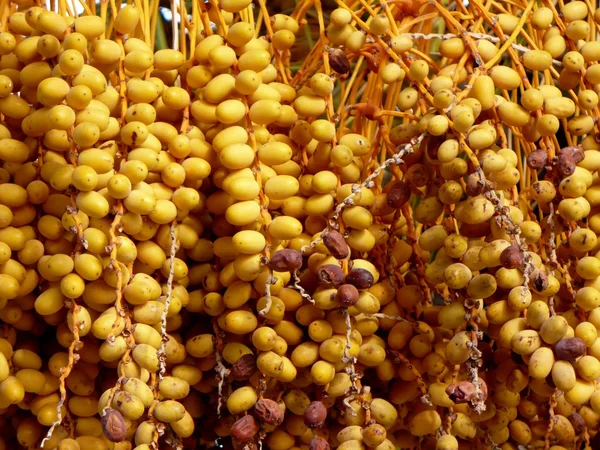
[474, 185]
[569, 349]
[315, 414]
[565, 165]
[347, 295]
[398, 194]
[537, 159]
[330, 274]
[336, 244]
[465, 391]
[285, 260]
[578, 423]
[243, 368]
[245, 428]
[511, 257]
[339, 61]
[113, 425]
[318, 443]
[268, 411]
[360, 278]
[576, 153]
[539, 280]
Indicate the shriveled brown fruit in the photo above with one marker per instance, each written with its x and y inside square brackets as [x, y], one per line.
[539, 280]
[347, 294]
[318, 443]
[243, 368]
[268, 411]
[113, 425]
[339, 61]
[474, 185]
[465, 391]
[537, 159]
[336, 244]
[285, 260]
[245, 428]
[417, 176]
[330, 274]
[315, 414]
[569, 349]
[578, 423]
[398, 194]
[360, 278]
[511, 257]
[575, 152]
[565, 165]
[236, 445]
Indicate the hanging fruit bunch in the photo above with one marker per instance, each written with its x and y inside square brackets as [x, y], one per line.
[390, 244]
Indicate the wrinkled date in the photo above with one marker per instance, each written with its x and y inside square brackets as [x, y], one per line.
[578, 423]
[569, 349]
[417, 175]
[339, 61]
[330, 274]
[245, 428]
[537, 159]
[243, 368]
[336, 244]
[268, 411]
[285, 260]
[318, 443]
[398, 194]
[465, 391]
[539, 280]
[347, 295]
[576, 153]
[360, 278]
[511, 257]
[236, 445]
[315, 414]
[474, 185]
[114, 426]
[565, 165]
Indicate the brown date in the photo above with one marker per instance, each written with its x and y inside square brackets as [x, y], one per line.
[537, 159]
[243, 368]
[565, 165]
[285, 260]
[539, 280]
[336, 244]
[268, 411]
[569, 349]
[576, 153]
[578, 423]
[465, 391]
[245, 428]
[398, 194]
[330, 274]
[474, 185]
[318, 443]
[339, 61]
[315, 414]
[417, 175]
[360, 278]
[347, 295]
[113, 425]
[511, 257]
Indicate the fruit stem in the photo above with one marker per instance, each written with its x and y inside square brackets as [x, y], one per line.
[65, 372]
